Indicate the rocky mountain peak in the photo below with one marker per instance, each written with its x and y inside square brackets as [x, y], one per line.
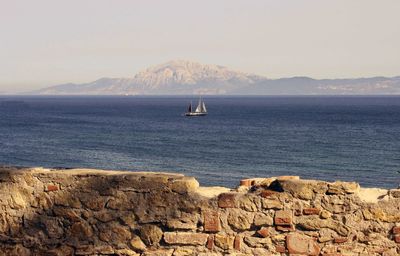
[187, 72]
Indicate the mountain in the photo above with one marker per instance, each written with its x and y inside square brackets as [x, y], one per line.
[185, 77]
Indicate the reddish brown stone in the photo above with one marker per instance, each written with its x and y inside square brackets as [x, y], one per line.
[51, 187]
[286, 228]
[267, 193]
[237, 244]
[311, 211]
[211, 221]
[210, 242]
[397, 238]
[227, 200]
[283, 218]
[301, 244]
[246, 182]
[280, 248]
[263, 232]
[379, 250]
[396, 230]
[340, 240]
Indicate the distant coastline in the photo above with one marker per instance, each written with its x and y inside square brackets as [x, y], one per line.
[191, 78]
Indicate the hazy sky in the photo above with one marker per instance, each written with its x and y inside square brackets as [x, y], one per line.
[46, 42]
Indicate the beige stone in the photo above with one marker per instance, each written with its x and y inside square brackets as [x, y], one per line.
[261, 252]
[271, 204]
[340, 187]
[4, 226]
[300, 244]
[326, 234]
[150, 234]
[372, 195]
[119, 202]
[303, 189]
[114, 233]
[257, 241]
[325, 214]
[185, 238]
[185, 224]
[18, 201]
[211, 192]
[379, 213]
[184, 185]
[262, 219]
[67, 199]
[239, 219]
[224, 241]
[183, 252]
[126, 252]
[93, 202]
[286, 177]
[247, 202]
[314, 223]
[129, 220]
[159, 252]
[137, 243]
[42, 201]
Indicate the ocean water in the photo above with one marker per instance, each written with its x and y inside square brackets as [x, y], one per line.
[329, 138]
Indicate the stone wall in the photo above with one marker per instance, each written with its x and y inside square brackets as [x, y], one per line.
[93, 212]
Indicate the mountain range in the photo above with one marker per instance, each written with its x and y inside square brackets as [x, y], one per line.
[181, 77]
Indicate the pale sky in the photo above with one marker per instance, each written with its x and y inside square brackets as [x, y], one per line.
[47, 42]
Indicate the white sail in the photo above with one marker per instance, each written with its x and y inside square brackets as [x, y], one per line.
[199, 107]
[204, 107]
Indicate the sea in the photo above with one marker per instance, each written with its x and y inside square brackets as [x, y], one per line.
[349, 138]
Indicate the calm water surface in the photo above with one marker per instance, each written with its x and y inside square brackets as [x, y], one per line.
[330, 138]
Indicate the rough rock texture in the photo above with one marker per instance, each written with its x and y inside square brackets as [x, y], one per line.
[94, 212]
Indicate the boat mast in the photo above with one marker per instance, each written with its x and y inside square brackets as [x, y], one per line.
[190, 107]
[199, 108]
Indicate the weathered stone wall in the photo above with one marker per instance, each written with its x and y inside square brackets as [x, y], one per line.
[92, 212]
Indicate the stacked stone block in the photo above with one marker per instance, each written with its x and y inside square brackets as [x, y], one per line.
[93, 212]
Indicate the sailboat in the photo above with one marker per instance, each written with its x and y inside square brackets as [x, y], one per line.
[200, 109]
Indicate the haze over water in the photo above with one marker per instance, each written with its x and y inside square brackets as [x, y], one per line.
[330, 138]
